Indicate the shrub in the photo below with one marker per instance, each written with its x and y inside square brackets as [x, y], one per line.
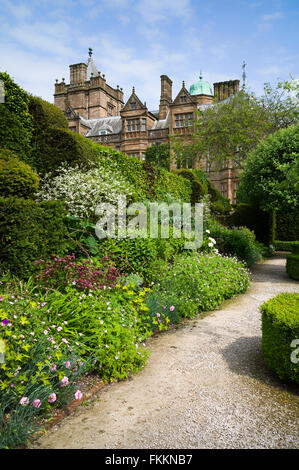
[287, 225]
[246, 215]
[53, 147]
[45, 115]
[197, 188]
[82, 190]
[280, 327]
[238, 242]
[85, 275]
[292, 265]
[195, 283]
[169, 184]
[28, 231]
[287, 246]
[16, 177]
[111, 324]
[15, 119]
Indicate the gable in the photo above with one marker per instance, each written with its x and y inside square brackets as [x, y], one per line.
[183, 97]
[133, 103]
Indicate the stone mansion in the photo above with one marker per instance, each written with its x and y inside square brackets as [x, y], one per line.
[97, 111]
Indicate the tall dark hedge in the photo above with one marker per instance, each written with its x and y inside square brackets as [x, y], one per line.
[45, 115]
[287, 225]
[15, 119]
[54, 146]
[16, 177]
[29, 231]
[198, 189]
[253, 218]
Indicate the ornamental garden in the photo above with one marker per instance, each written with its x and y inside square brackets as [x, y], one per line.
[73, 305]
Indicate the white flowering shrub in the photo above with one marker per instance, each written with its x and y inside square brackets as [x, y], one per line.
[83, 190]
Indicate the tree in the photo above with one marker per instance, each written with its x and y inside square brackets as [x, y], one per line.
[233, 128]
[271, 172]
[158, 155]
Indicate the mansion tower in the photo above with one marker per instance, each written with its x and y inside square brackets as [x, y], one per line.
[98, 111]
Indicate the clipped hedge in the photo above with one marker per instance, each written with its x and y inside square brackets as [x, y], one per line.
[16, 177]
[287, 225]
[28, 231]
[55, 146]
[15, 119]
[246, 215]
[281, 245]
[45, 115]
[280, 327]
[292, 265]
[198, 189]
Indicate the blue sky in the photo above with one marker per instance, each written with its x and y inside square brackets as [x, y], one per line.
[136, 41]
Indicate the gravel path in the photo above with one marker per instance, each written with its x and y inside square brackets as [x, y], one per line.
[204, 386]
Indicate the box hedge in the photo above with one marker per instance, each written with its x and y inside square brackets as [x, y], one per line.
[281, 245]
[280, 327]
[287, 225]
[292, 266]
[45, 115]
[28, 231]
[16, 177]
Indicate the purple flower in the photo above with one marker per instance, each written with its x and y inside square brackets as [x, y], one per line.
[5, 321]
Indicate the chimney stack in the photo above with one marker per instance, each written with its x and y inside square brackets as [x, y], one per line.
[78, 73]
[223, 90]
[166, 96]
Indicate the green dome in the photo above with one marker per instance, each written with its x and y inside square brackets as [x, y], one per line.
[201, 88]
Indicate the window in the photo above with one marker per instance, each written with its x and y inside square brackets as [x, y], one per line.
[143, 124]
[235, 191]
[134, 125]
[133, 105]
[224, 163]
[73, 129]
[109, 110]
[224, 189]
[183, 99]
[103, 132]
[183, 120]
[134, 155]
[143, 156]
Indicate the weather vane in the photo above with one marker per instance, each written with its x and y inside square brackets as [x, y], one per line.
[244, 74]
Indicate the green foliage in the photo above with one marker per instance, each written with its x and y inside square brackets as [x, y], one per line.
[238, 242]
[16, 177]
[197, 188]
[287, 225]
[112, 326]
[53, 147]
[246, 215]
[292, 265]
[45, 115]
[286, 246]
[170, 185]
[29, 231]
[264, 179]
[15, 119]
[280, 326]
[158, 155]
[196, 283]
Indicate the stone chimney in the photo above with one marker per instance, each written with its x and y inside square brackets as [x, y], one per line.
[78, 73]
[223, 90]
[166, 96]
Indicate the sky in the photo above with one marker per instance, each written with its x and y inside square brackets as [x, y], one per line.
[134, 42]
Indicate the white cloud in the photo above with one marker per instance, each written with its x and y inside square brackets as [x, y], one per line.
[272, 16]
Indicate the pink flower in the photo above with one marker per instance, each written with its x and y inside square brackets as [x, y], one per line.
[52, 398]
[64, 381]
[78, 395]
[37, 403]
[158, 314]
[67, 364]
[24, 401]
[53, 367]
[171, 308]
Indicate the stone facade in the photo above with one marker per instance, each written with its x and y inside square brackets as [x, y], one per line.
[97, 111]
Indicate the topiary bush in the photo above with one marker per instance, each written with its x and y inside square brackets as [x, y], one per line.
[16, 177]
[197, 188]
[45, 115]
[287, 225]
[292, 265]
[54, 146]
[28, 231]
[15, 119]
[280, 327]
